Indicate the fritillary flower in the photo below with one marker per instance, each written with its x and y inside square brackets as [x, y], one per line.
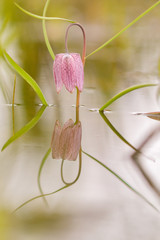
[68, 70]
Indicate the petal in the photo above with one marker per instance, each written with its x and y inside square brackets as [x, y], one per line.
[57, 71]
[69, 123]
[55, 141]
[68, 72]
[76, 141]
[79, 71]
[66, 139]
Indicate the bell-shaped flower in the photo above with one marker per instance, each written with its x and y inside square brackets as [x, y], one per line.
[68, 70]
[66, 140]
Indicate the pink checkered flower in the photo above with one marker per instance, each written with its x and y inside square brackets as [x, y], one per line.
[68, 70]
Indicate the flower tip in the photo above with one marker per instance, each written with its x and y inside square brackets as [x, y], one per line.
[58, 89]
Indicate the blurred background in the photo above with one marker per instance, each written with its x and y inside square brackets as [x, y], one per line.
[98, 206]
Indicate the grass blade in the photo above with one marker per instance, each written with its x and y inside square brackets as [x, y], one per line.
[26, 77]
[43, 17]
[130, 89]
[116, 132]
[124, 29]
[5, 91]
[45, 31]
[26, 128]
[48, 194]
[122, 138]
[13, 98]
[40, 171]
[39, 196]
[122, 180]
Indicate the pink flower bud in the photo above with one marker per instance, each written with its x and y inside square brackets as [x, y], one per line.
[66, 141]
[68, 70]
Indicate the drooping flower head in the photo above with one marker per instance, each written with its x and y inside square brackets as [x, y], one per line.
[68, 68]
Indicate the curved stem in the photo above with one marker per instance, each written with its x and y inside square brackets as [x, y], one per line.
[51, 193]
[79, 170]
[39, 196]
[39, 174]
[84, 40]
[45, 31]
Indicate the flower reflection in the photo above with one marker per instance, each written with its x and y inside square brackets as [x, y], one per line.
[66, 140]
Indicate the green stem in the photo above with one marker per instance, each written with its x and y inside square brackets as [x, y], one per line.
[124, 29]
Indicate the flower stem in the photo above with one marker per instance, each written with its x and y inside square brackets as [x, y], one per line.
[79, 170]
[84, 40]
[77, 105]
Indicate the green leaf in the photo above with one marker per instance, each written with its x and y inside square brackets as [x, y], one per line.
[26, 77]
[43, 17]
[45, 32]
[26, 128]
[124, 29]
[130, 89]
[122, 180]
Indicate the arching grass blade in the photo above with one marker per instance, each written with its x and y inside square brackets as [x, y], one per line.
[26, 77]
[26, 128]
[130, 89]
[42, 17]
[45, 31]
[124, 29]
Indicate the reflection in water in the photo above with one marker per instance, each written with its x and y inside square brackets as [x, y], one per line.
[152, 115]
[138, 151]
[66, 141]
[136, 158]
[110, 203]
[65, 145]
